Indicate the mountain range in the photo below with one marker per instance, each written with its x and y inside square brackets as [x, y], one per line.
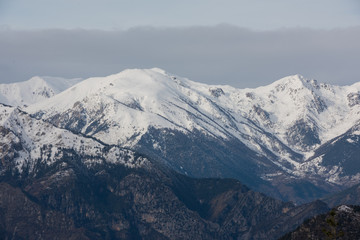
[56, 184]
[148, 154]
[34, 90]
[276, 139]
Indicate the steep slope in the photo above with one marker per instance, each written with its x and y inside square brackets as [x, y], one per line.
[33, 90]
[71, 186]
[338, 160]
[154, 98]
[304, 113]
[261, 136]
[123, 109]
[301, 113]
[28, 144]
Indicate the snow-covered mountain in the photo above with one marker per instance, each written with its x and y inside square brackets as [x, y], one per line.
[88, 159]
[157, 99]
[33, 90]
[25, 141]
[338, 160]
[206, 130]
[322, 110]
[55, 184]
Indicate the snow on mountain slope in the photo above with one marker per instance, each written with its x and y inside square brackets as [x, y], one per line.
[120, 108]
[25, 140]
[294, 106]
[338, 160]
[33, 90]
[284, 121]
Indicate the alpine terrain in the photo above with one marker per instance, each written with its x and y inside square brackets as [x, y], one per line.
[145, 154]
[34, 90]
[56, 184]
[276, 139]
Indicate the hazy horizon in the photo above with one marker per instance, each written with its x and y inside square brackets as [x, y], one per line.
[240, 43]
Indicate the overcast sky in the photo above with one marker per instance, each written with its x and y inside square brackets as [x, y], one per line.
[244, 43]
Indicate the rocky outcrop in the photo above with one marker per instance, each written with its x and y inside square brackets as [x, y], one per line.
[342, 222]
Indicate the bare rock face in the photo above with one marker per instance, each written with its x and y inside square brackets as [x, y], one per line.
[353, 99]
[303, 134]
[216, 92]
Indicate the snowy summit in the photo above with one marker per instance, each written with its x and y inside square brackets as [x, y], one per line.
[285, 122]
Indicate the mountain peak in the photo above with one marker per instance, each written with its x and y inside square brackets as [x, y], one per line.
[159, 70]
[142, 73]
[298, 82]
[35, 80]
[33, 90]
[293, 82]
[283, 122]
[148, 80]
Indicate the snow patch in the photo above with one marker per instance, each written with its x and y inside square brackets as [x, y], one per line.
[344, 208]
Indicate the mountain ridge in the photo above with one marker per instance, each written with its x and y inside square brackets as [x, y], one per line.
[67, 167]
[34, 90]
[281, 125]
[94, 191]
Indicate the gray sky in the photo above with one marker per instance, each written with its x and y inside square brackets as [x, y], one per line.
[124, 14]
[242, 43]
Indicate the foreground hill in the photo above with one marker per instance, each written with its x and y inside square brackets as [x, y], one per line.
[342, 222]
